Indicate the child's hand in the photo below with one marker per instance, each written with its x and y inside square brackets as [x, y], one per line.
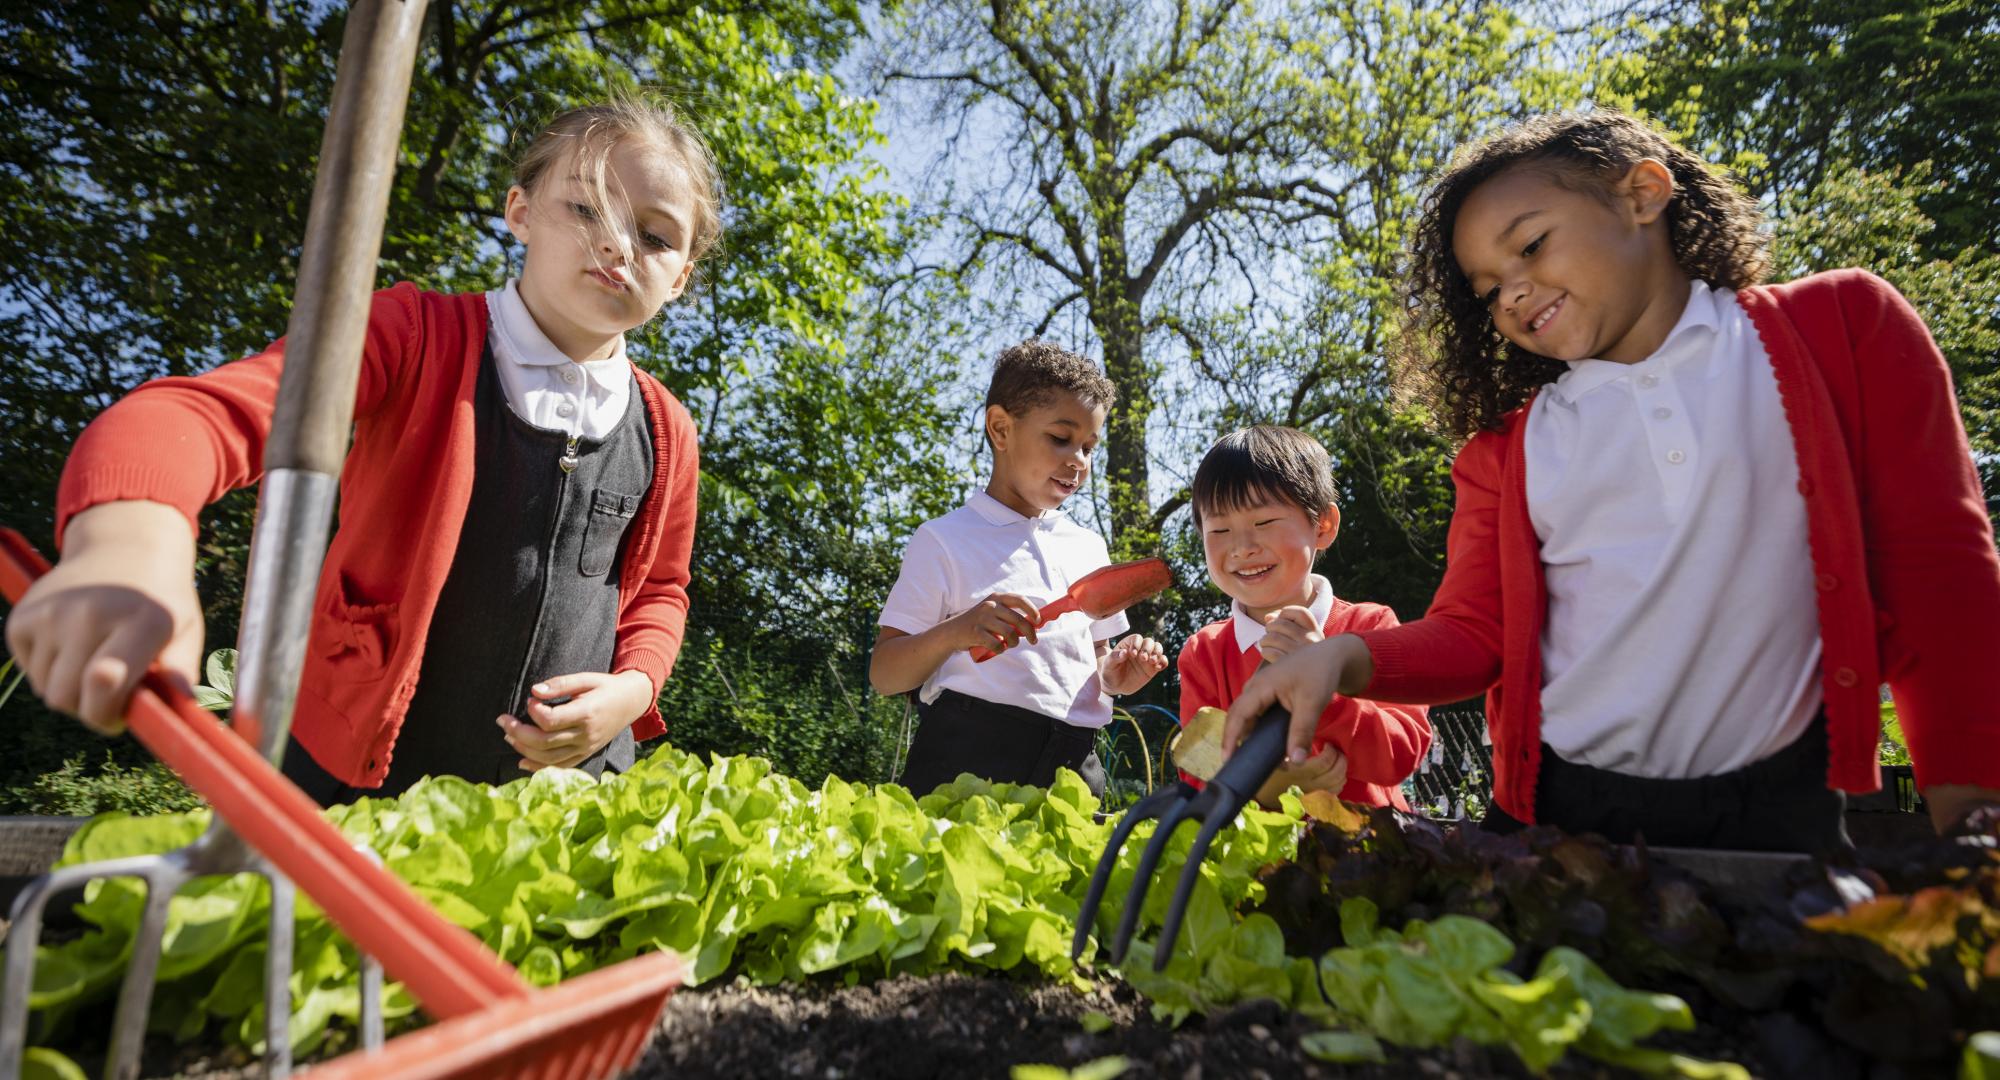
[121, 599]
[1304, 684]
[998, 622]
[1131, 664]
[599, 706]
[1287, 630]
[1324, 771]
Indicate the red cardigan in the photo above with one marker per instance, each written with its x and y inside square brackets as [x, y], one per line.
[1383, 743]
[1909, 583]
[185, 442]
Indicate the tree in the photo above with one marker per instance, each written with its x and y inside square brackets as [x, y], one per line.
[1194, 175]
[1799, 88]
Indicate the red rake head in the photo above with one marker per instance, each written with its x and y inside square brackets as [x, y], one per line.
[590, 1028]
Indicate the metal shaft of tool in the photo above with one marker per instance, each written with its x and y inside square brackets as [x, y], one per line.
[309, 426]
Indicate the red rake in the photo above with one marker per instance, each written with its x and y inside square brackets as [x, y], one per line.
[495, 1023]
[1102, 593]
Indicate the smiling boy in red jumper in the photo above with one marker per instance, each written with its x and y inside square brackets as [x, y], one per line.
[1263, 499]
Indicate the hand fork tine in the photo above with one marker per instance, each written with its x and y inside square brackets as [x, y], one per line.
[1142, 877]
[1149, 807]
[1233, 786]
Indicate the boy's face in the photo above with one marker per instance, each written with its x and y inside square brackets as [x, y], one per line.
[1042, 457]
[1262, 555]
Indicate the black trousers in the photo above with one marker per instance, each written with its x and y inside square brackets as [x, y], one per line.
[1781, 803]
[958, 733]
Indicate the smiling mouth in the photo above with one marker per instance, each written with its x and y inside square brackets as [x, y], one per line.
[1069, 486]
[1547, 315]
[1257, 574]
[608, 281]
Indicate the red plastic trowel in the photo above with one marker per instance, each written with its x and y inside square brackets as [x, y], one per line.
[1102, 593]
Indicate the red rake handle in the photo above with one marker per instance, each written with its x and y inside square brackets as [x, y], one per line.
[1057, 609]
[446, 967]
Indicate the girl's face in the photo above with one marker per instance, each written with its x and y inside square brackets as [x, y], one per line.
[1262, 556]
[1572, 275]
[1042, 457]
[587, 281]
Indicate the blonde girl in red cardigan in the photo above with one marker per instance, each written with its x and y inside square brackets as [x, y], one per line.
[516, 512]
[1700, 521]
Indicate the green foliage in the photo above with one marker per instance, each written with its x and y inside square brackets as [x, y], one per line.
[1437, 981]
[742, 870]
[1895, 750]
[1805, 88]
[1101, 1069]
[77, 788]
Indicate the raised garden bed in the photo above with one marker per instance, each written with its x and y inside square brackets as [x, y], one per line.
[1768, 995]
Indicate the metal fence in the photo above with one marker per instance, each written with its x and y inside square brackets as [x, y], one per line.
[1455, 779]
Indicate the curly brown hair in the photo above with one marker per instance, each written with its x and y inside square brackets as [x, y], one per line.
[1454, 358]
[1033, 373]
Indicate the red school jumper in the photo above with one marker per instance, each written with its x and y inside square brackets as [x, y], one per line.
[1901, 547]
[1383, 742]
[404, 488]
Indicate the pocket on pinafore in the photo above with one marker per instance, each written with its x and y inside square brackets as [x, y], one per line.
[611, 513]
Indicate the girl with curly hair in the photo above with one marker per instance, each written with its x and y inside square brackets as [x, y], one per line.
[1699, 521]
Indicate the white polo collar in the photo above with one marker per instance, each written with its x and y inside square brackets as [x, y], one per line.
[1249, 631]
[1584, 376]
[519, 339]
[996, 512]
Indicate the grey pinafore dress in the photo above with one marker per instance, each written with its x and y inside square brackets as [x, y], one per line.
[532, 593]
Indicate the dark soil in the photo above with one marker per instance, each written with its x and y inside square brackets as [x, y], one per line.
[966, 1026]
[959, 1025]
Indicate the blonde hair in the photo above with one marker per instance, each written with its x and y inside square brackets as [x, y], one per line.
[592, 131]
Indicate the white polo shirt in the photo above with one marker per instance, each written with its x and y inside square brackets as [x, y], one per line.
[982, 548]
[1682, 636]
[545, 387]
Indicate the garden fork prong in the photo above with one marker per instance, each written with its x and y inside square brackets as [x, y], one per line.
[1142, 875]
[1148, 807]
[1222, 813]
[1226, 794]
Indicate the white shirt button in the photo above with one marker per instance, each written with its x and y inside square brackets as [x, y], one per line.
[1662, 413]
[1675, 457]
[1649, 381]
[565, 409]
[569, 375]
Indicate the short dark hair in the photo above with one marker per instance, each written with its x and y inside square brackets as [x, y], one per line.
[1255, 464]
[1031, 375]
[1452, 356]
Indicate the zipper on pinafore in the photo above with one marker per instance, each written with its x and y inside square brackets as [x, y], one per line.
[569, 459]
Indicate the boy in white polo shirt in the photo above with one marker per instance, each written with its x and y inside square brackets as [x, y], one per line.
[975, 576]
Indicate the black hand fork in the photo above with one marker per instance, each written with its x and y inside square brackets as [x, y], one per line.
[1216, 804]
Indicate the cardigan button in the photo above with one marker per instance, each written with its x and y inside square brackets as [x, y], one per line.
[1827, 583]
[1805, 486]
[1845, 678]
